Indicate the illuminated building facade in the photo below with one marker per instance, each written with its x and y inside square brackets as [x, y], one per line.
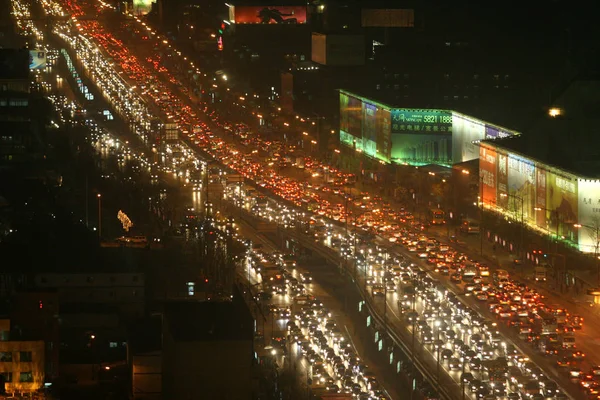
[412, 136]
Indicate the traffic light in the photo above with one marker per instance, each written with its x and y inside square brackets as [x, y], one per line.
[41, 304]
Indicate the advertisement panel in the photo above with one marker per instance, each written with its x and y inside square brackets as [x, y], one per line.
[502, 188]
[384, 134]
[488, 170]
[465, 131]
[269, 14]
[589, 215]
[420, 148]
[540, 198]
[369, 122]
[426, 121]
[388, 18]
[494, 132]
[561, 203]
[37, 59]
[354, 111]
[521, 186]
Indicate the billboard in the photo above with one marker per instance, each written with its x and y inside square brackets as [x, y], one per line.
[426, 121]
[388, 18]
[384, 140]
[589, 215]
[37, 59]
[494, 132]
[540, 197]
[465, 131]
[521, 186]
[561, 203]
[350, 116]
[488, 172]
[502, 188]
[269, 15]
[421, 148]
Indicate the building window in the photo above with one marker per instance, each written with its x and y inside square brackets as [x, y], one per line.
[25, 356]
[135, 278]
[112, 293]
[26, 377]
[112, 279]
[378, 86]
[44, 279]
[90, 279]
[396, 87]
[113, 345]
[7, 376]
[5, 356]
[135, 293]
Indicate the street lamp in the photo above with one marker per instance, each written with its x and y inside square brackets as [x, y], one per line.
[515, 197]
[99, 215]
[437, 345]
[596, 230]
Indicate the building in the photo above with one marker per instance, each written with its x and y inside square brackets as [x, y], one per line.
[550, 176]
[21, 362]
[15, 125]
[411, 136]
[125, 291]
[205, 346]
[145, 358]
[35, 315]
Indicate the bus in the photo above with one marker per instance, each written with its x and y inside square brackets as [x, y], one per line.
[437, 216]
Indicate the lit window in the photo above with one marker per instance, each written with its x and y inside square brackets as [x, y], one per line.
[6, 356]
[26, 377]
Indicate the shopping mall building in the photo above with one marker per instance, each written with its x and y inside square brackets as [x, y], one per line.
[549, 177]
[412, 136]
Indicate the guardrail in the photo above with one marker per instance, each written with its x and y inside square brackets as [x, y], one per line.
[443, 390]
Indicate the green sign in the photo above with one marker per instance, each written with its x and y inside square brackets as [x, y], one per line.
[415, 121]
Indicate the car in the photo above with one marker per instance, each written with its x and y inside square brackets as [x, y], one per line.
[378, 290]
[264, 296]
[306, 277]
[454, 363]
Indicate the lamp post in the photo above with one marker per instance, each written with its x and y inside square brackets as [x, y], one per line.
[515, 197]
[481, 202]
[596, 230]
[99, 215]
[437, 345]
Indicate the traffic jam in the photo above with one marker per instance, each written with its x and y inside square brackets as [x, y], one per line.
[309, 329]
[469, 342]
